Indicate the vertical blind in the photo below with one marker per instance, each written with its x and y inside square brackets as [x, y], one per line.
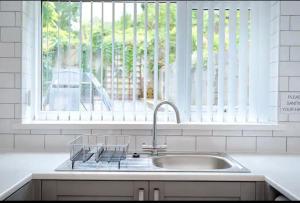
[114, 61]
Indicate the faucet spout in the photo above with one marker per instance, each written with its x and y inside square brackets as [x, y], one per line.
[154, 142]
[155, 148]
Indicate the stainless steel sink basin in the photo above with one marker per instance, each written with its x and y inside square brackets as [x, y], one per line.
[209, 162]
[201, 162]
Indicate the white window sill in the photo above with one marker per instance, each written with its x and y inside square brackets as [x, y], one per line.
[142, 125]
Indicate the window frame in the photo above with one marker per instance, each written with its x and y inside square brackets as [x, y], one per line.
[36, 97]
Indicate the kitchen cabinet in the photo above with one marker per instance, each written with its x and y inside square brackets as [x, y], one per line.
[271, 194]
[94, 190]
[170, 190]
[29, 192]
[149, 190]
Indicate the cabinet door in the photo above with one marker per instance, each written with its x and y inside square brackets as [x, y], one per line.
[174, 190]
[29, 192]
[94, 190]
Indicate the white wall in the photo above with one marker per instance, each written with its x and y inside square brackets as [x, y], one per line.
[10, 70]
[211, 139]
[289, 66]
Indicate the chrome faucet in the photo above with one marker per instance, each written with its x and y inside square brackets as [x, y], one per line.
[155, 148]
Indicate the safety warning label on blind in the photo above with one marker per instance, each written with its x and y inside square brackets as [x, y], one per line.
[290, 102]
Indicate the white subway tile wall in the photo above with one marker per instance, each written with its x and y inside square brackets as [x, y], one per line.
[211, 144]
[285, 68]
[181, 143]
[295, 23]
[169, 132]
[29, 142]
[10, 34]
[293, 144]
[284, 22]
[241, 144]
[6, 142]
[75, 132]
[290, 8]
[7, 111]
[197, 132]
[227, 133]
[294, 83]
[284, 53]
[290, 68]
[269, 144]
[11, 6]
[58, 142]
[257, 133]
[283, 84]
[140, 140]
[136, 132]
[295, 52]
[10, 65]
[107, 132]
[7, 49]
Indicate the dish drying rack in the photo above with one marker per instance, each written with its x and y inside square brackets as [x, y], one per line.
[102, 151]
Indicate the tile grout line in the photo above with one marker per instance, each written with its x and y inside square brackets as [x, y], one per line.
[14, 141]
[256, 144]
[226, 145]
[286, 145]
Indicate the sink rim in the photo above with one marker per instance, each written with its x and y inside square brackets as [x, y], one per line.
[235, 166]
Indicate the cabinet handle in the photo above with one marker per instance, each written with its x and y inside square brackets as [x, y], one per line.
[156, 194]
[141, 194]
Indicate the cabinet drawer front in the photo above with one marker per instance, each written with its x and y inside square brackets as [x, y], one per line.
[202, 189]
[93, 198]
[201, 198]
[24, 193]
[31, 191]
[95, 188]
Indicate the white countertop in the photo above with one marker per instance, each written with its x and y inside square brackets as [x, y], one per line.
[280, 171]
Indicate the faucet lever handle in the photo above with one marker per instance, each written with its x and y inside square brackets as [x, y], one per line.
[151, 148]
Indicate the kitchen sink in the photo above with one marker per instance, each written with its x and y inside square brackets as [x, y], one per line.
[175, 162]
[200, 162]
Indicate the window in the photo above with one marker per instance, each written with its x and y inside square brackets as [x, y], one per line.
[114, 61]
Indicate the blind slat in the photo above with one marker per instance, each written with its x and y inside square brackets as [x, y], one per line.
[156, 49]
[38, 60]
[124, 62]
[167, 56]
[69, 38]
[210, 63]
[145, 60]
[243, 62]
[102, 58]
[221, 63]
[253, 64]
[199, 72]
[188, 79]
[58, 60]
[113, 61]
[47, 56]
[80, 52]
[232, 65]
[91, 63]
[69, 30]
[134, 57]
[180, 51]
[264, 62]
